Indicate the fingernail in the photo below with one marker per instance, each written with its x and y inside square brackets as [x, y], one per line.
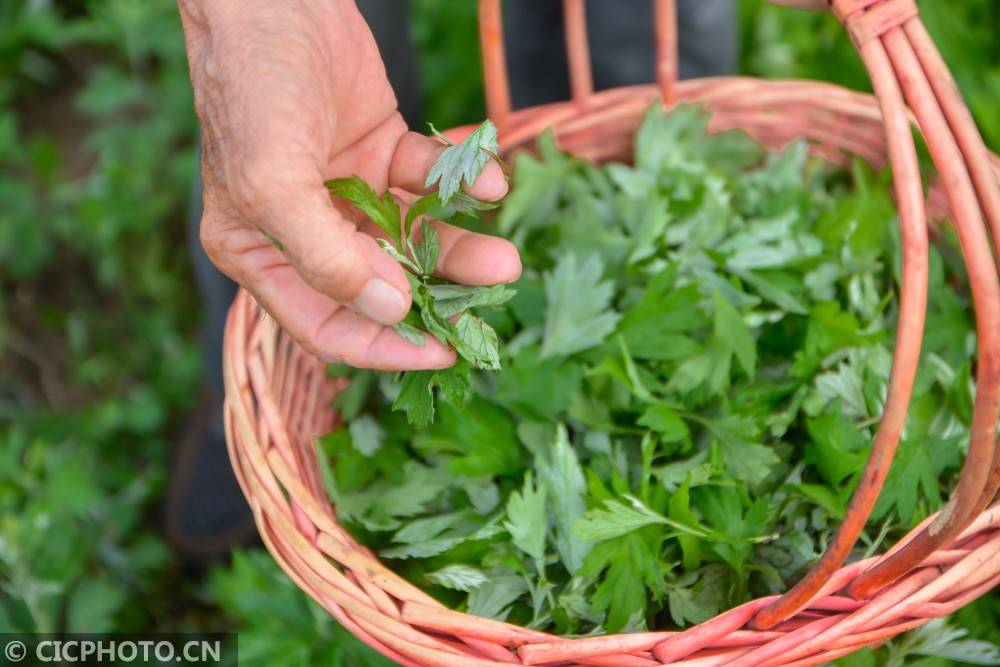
[381, 302]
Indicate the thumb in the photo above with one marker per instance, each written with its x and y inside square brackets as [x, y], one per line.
[335, 258]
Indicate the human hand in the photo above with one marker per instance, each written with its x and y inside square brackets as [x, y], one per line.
[290, 95]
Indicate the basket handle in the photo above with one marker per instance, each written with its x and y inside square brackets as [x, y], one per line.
[497, 82]
[903, 62]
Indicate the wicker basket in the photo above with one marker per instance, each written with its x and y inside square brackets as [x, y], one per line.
[278, 396]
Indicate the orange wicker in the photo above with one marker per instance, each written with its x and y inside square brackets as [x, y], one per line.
[278, 396]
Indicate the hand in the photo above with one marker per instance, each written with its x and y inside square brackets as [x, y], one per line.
[291, 94]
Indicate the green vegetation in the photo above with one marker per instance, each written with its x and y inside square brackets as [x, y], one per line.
[97, 311]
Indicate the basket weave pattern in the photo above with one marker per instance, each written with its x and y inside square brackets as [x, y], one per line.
[278, 396]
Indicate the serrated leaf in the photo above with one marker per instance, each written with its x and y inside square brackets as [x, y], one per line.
[366, 435]
[452, 300]
[426, 549]
[697, 597]
[573, 323]
[439, 327]
[745, 460]
[426, 250]
[458, 577]
[527, 519]
[616, 518]
[493, 599]
[630, 569]
[410, 333]
[836, 448]
[477, 342]
[453, 382]
[665, 421]
[913, 477]
[428, 528]
[463, 202]
[941, 640]
[415, 397]
[559, 469]
[477, 437]
[398, 256]
[420, 207]
[463, 162]
[383, 211]
[538, 185]
[734, 332]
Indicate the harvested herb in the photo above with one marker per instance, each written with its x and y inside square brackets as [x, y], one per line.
[435, 301]
[693, 367]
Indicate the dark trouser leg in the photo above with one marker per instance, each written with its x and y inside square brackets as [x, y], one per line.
[216, 292]
[621, 41]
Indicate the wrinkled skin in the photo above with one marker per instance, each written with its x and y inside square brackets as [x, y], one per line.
[291, 94]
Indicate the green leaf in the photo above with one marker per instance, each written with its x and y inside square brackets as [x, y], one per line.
[440, 327]
[427, 549]
[428, 528]
[453, 382]
[465, 203]
[410, 333]
[477, 342]
[426, 250]
[664, 421]
[383, 211]
[573, 323]
[837, 448]
[679, 509]
[398, 256]
[745, 460]
[616, 518]
[463, 162]
[452, 300]
[536, 387]
[653, 327]
[914, 477]
[421, 207]
[458, 577]
[479, 438]
[733, 331]
[692, 604]
[415, 397]
[93, 605]
[629, 569]
[821, 496]
[560, 470]
[366, 435]
[941, 640]
[493, 599]
[527, 519]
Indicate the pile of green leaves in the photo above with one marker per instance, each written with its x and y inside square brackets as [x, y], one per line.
[694, 364]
